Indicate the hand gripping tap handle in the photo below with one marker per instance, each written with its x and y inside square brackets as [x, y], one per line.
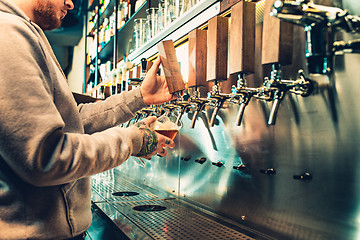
[171, 67]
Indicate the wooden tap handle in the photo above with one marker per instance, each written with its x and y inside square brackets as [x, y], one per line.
[217, 49]
[197, 59]
[277, 39]
[171, 66]
[242, 38]
[148, 65]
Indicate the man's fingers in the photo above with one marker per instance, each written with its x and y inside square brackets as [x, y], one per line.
[154, 68]
[169, 143]
[149, 120]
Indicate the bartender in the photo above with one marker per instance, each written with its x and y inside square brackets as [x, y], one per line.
[49, 146]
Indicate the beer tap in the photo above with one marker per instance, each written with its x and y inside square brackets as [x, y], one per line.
[217, 51]
[143, 113]
[199, 106]
[242, 52]
[320, 24]
[182, 106]
[141, 74]
[279, 91]
[173, 77]
[277, 88]
[277, 50]
[197, 71]
[169, 108]
[244, 94]
[217, 101]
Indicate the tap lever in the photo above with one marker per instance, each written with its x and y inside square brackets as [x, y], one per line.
[302, 86]
[244, 101]
[183, 105]
[350, 47]
[244, 94]
[173, 77]
[199, 105]
[275, 108]
[218, 100]
[306, 13]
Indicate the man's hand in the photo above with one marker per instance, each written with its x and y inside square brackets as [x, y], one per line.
[154, 89]
[153, 143]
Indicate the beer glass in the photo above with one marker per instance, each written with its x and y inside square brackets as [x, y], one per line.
[163, 125]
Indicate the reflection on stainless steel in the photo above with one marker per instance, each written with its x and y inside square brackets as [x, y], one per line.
[298, 179]
[281, 205]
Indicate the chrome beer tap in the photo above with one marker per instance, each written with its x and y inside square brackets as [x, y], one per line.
[216, 100]
[244, 95]
[198, 103]
[279, 89]
[275, 89]
[183, 107]
[217, 49]
[242, 53]
[169, 108]
[320, 25]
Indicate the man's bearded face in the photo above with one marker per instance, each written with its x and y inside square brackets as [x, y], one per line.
[49, 13]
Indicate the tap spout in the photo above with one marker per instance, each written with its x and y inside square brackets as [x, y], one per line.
[275, 109]
[219, 100]
[200, 103]
[244, 101]
[183, 105]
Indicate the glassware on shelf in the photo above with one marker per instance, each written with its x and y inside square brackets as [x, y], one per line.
[139, 32]
[151, 23]
[180, 7]
[165, 13]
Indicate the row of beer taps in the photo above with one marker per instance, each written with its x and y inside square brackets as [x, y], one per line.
[274, 88]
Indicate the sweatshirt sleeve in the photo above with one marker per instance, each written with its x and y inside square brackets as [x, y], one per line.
[114, 110]
[33, 140]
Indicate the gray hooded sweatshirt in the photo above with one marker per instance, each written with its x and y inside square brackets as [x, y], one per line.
[49, 146]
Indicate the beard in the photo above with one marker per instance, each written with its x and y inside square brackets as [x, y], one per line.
[45, 15]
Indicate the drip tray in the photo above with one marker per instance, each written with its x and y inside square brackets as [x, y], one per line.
[149, 208]
[147, 216]
[171, 220]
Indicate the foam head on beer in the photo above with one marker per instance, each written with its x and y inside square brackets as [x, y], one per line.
[163, 125]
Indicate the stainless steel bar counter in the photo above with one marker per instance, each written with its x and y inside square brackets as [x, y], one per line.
[141, 212]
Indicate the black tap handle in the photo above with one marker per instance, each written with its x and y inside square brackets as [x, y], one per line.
[143, 65]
